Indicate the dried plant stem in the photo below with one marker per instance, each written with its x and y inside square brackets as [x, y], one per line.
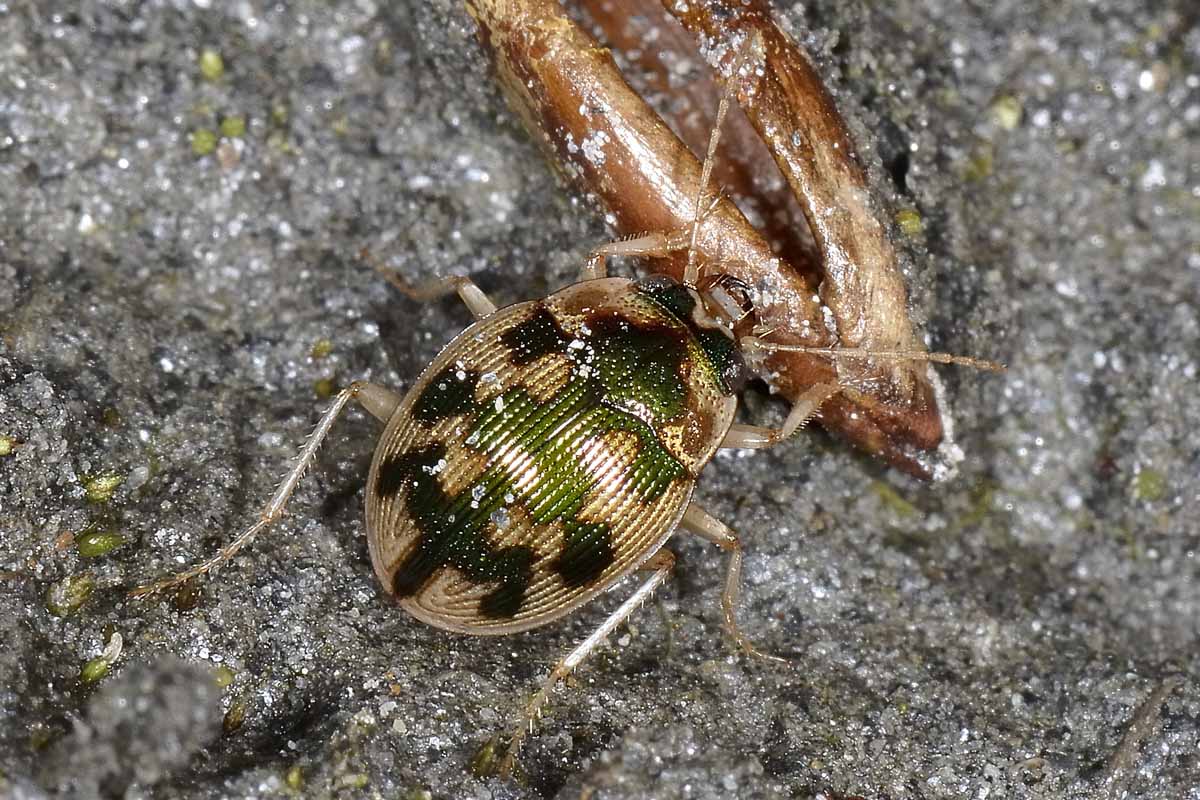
[572, 97]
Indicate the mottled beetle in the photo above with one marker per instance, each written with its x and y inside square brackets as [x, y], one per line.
[552, 448]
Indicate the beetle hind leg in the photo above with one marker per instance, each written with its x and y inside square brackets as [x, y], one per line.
[378, 398]
[478, 303]
[661, 563]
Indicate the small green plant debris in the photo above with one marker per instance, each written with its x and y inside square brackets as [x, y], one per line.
[67, 596]
[892, 499]
[97, 543]
[1149, 485]
[486, 761]
[909, 221]
[233, 127]
[355, 780]
[325, 387]
[294, 778]
[40, 735]
[483, 763]
[204, 142]
[982, 498]
[980, 166]
[223, 676]
[234, 717]
[100, 488]
[95, 669]
[212, 66]
[320, 349]
[7, 445]
[1006, 112]
[187, 597]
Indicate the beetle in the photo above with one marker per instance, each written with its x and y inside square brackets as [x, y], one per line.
[552, 448]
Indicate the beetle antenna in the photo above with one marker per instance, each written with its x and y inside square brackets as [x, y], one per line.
[863, 353]
[751, 52]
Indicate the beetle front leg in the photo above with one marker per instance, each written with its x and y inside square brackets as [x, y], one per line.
[656, 244]
[661, 563]
[646, 245]
[698, 521]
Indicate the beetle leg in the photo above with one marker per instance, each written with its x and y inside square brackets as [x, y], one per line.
[661, 563]
[378, 401]
[479, 304]
[658, 244]
[698, 521]
[805, 408]
[275, 508]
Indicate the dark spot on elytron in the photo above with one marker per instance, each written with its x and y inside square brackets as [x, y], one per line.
[726, 359]
[417, 471]
[537, 336]
[451, 392]
[406, 469]
[391, 477]
[587, 552]
[512, 567]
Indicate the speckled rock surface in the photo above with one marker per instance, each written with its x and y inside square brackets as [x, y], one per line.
[179, 288]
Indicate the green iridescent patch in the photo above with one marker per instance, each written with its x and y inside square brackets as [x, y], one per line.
[640, 365]
[726, 359]
[720, 351]
[669, 294]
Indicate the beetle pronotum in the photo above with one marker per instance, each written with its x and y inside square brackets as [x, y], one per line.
[553, 446]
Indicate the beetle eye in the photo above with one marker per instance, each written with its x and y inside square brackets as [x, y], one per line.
[735, 375]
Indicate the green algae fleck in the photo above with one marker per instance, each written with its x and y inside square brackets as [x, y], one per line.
[97, 543]
[204, 142]
[212, 66]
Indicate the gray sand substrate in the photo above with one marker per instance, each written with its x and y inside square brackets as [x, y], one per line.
[184, 188]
